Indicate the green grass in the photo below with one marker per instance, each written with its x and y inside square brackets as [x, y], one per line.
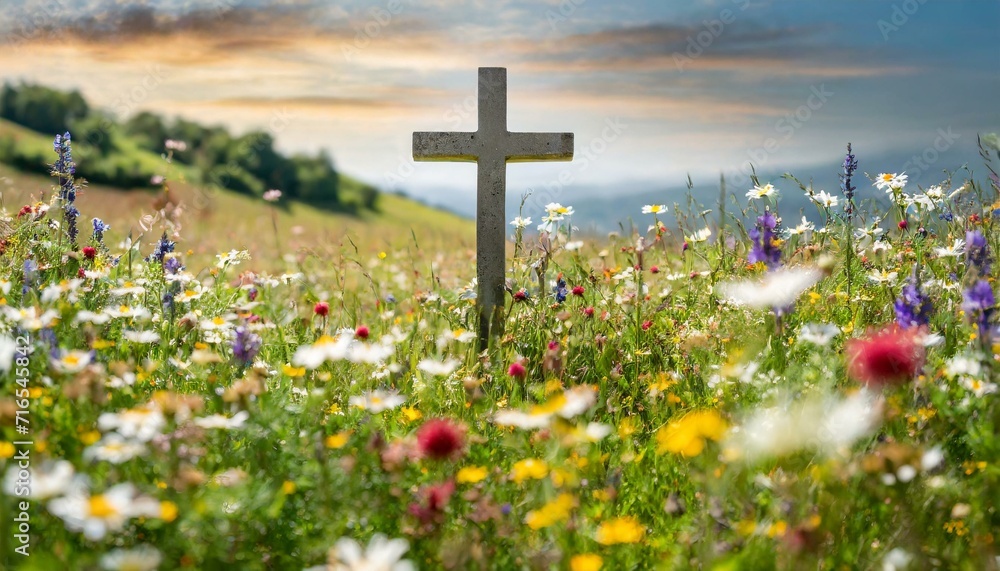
[670, 427]
[218, 221]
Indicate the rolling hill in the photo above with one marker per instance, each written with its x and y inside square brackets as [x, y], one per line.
[214, 220]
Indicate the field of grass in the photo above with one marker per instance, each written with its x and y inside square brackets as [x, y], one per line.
[214, 222]
[821, 398]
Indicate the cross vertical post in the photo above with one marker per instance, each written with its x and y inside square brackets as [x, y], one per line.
[491, 146]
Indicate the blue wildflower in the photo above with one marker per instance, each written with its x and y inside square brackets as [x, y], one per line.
[246, 344]
[48, 335]
[172, 265]
[979, 304]
[561, 290]
[99, 229]
[162, 248]
[766, 246]
[913, 308]
[976, 253]
[30, 271]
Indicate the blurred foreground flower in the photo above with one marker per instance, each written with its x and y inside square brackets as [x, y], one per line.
[141, 558]
[382, 554]
[891, 356]
[620, 530]
[827, 424]
[440, 439]
[778, 289]
[687, 435]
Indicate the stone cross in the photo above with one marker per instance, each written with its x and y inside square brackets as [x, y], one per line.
[492, 146]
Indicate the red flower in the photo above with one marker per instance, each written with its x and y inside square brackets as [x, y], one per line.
[89, 252]
[578, 290]
[646, 325]
[431, 506]
[361, 332]
[26, 209]
[520, 295]
[654, 270]
[891, 356]
[902, 224]
[588, 311]
[517, 370]
[321, 308]
[440, 439]
[81, 273]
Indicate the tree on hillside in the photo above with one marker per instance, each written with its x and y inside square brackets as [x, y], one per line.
[41, 109]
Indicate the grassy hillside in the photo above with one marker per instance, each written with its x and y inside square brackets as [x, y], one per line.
[218, 221]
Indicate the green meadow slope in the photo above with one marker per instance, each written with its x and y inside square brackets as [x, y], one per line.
[214, 220]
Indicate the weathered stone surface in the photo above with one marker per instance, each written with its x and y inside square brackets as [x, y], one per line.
[492, 146]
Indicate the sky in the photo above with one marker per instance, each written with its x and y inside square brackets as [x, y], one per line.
[654, 90]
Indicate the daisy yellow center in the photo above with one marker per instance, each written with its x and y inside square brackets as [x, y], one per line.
[376, 400]
[218, 321]
[71, 359]
[123, 309]
[100, 507]
[189, 292]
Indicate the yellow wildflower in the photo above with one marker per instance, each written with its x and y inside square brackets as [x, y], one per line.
[686, 436]
[529, 468]
[291, 371]
[620, 530]
[586, 562]
[335, 441]
[168, 511]
[552, 512]
[471, 475]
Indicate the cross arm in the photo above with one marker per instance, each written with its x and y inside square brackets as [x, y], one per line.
[540, 147]
[444, 146]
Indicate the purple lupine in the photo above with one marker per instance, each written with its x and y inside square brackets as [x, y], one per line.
[850, 166]
[913, 308]
[246, 345]
[162, 248]
[65, 169]
[978, 304]
[976, 253]
[765, 241]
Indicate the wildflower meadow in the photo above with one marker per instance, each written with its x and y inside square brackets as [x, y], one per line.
[755, 390]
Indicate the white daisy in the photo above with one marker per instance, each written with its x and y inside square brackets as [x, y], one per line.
[765, 191]
[141, 558]
[779, 288]
[377, 401]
